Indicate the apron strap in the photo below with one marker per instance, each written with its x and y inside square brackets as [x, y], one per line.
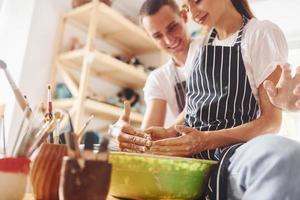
[218, 181]
[238, 39]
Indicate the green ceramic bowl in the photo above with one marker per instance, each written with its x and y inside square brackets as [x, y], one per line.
[145, 176]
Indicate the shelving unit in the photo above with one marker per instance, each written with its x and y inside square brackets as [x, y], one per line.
[99, 109]
[106, 67]
[113, 28]
[99, 22]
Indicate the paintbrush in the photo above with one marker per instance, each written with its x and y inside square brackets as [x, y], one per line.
[42, 135]
[2, 126]
[81, 131]
[18, 94]
[21, 128]
[71, 140]
[49, 115]
[49, 103]
[58, 116]
[29, 136]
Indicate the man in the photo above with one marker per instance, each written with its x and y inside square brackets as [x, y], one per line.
[286, 93]
[165, 88]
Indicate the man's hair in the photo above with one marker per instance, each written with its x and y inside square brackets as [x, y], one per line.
[151, 7]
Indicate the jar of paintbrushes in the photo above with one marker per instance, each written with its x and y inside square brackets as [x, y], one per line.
[86, 174]
[14, 169]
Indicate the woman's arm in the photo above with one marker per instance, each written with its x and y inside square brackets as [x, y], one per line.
[268, 122]
[194, 141]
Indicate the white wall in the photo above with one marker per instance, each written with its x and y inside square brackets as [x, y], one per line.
[15, 24]
[285, 14]
[27, 35]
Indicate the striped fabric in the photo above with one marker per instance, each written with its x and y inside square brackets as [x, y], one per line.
[219, 96]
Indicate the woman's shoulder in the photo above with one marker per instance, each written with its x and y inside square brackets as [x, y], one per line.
[258, 28]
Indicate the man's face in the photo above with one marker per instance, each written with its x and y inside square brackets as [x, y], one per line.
[166, 27]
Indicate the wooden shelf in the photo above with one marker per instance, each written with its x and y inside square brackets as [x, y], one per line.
[99, 109]
[113, 28]
[107, 67]
[99, 21]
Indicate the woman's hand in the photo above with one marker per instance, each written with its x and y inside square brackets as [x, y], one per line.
[191, 142]
[159, 133]
[286, 93]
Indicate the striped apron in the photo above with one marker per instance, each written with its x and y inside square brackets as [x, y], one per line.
[219, 96]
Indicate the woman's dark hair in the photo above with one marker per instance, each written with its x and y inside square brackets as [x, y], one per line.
[242, 6]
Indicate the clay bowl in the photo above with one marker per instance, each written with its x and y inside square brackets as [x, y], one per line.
[145, 176]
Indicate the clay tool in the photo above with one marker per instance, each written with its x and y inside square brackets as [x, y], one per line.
[18, 94]
[81, 131]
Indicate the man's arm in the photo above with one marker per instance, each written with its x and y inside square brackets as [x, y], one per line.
[159, 132]
[155, 113]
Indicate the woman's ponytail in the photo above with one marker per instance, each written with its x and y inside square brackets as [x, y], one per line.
[242, 6]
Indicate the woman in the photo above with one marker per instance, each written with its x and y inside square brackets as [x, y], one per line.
[227, 104]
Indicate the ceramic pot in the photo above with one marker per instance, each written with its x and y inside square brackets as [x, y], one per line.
[13, 178]
[88, 180]
[45, 172]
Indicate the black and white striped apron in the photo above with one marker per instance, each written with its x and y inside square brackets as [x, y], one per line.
[180, 90]
[219, 96]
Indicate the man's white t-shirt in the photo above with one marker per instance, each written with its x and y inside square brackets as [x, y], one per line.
[161, 85]
[263, 47]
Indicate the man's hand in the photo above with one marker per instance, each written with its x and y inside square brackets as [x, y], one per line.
[286, 93]
[191, 142]
[129, 139]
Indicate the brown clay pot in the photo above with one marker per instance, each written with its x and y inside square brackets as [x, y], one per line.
[45, 172]
[89, 181]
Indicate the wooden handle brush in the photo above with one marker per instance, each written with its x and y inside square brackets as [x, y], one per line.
[18, 94]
